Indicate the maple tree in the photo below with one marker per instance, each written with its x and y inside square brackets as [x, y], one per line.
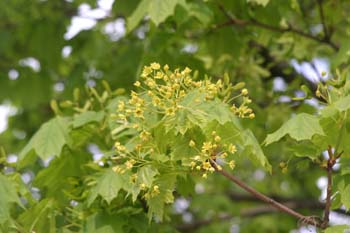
[179, 124]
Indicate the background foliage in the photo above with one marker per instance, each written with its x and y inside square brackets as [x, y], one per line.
[274, 47]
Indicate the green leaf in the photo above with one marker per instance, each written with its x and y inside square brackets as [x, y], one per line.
[53, 179]
[158, 10]
[344, 190]
[338, 229]
[40, 217]
[301, 127]
[8, 194]
[156, 204]
[200, 11]
[341, 105]
[303, 149]
[253, 150]
[49, 139]
[190, 115]
[260, 2]
[185, 185]
[108, 185]
[181, 148]
[217, 110]
[87, 117]
[146, 175]
[232, 132]
[105, 223]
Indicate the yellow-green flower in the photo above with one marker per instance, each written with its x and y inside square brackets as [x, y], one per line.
[207, 146]
[244, 91]
[137, 84]
[232, 148]
[155, 66]
[192, 143]
[232, 164]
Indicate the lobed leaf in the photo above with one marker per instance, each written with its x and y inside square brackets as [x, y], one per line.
[49, 139]
[301, 127]
[108, 185]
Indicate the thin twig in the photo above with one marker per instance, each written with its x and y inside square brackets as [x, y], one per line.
[291, 202]
[253, 22]
[305, 219]
[323, 21]
[330, 163]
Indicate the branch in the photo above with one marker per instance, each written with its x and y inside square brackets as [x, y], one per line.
[280, 68]
[297, 203]
[323, 22]
[305, 219]
[253, 22]
[252, 212]
[330, 163]
[190, 227]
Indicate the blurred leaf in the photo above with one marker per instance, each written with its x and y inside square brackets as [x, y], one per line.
[8, 194]
[49, 139]
[301, 127]
[260, 2]
[338, 229]
[108, 185]
[87, 117]
[158, 10]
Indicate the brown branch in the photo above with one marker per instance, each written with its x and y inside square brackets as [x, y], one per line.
[330, 163]
[323, 21]
[298, 203]
[253, 22]
[251, 212]
[190, 227]
[305, 219]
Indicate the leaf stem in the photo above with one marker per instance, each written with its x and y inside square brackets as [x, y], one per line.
[304, 219]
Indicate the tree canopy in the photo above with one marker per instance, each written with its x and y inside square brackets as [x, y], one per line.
[175, 116]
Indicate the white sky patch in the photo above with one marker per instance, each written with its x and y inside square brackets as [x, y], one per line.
[181, 205]
[190, 48]
[116, 29]
[87, 17]
[85, 11]
[279, 84]
[313, 102]
[95, 151]
[105, 4]
[79, 24]
[338, 219]
[5, 112]
[30, 62]
[66, 51]
[322, 185]
[312, 70]
[58, 87]
[13, 74]
[284, 99]
[12, 158]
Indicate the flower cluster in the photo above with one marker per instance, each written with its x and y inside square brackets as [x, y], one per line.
[243, 110]
[212, 151]
[161, 93]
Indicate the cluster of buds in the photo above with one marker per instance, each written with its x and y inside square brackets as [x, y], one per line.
[243, 111]
[152, 192]
[212, 150]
